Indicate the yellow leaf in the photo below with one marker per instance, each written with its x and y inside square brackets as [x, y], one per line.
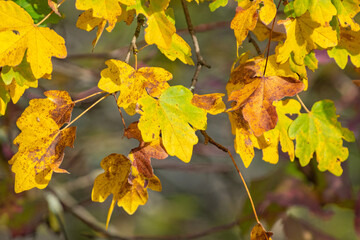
[268, 11]
[41, 142]
[244, 21]
[160, 30]
[321, 11]
[104, 9]
[16, 91]
[178, 49]
[304, 35]
[120, 76]
[171, 114]
[211, 103]
[262, 32]
[346, 11]
[259, 233]
[19, 34]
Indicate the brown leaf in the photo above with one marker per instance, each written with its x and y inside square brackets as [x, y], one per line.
[259, 233]
[145, 151]
[54, 7]
[256, 93]
[211, 103]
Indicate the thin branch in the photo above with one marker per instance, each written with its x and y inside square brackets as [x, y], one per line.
[200, 61]
[302, 103]
[269, 42]
[122, 117]
[85, 111]
[132, 47]
[87, 97]
[47, 16]
[254, 43]
[208, 139]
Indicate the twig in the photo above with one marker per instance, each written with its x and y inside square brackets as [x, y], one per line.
[47, 16]
[122, 117]
[269, 42]
[254, 43]
[302, 103]
[132, 47]
[208, 139]
[87, 97]
[200, 61]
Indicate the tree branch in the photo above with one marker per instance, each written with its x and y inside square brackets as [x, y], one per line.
[200, 61]
[132, 47]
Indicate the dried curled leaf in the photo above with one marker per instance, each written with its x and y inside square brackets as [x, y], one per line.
[41, 142]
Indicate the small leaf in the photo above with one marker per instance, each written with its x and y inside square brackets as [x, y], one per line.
[217, 3]
[320, 132]
[244, 21]
[178, 49]
[259, 233]
[211, 103]
[160, 30]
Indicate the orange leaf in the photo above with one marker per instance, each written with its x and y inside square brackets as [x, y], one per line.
[256, 94]
[54, 7]
[211, 103]
[145, 151]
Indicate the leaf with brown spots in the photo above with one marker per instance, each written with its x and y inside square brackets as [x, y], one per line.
[41, 142]
[211, 103]
[259, 233]
[255, 94]
[145, 151]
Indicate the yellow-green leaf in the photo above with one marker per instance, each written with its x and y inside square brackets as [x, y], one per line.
[178, 49]
[171, 115]
[321, 11]
[319, 131]
[160, 30]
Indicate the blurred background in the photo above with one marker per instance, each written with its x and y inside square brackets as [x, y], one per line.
[204, 199]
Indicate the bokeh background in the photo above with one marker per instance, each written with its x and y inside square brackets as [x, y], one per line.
[205, 198]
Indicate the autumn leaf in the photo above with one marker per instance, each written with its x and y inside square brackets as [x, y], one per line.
[145, 151]
[347, 47]
[320, 11]
[171, 115]
[255, 94]
[136, 190]
[346, 11]
[179, 49]
[160, 30]
[244, 21]
[132, 84]
[54, 7]
[262, 32]
[259, 233]
[108, 10]
[211, 103]
[304, 35]
[319, 131]
[19, 34]
[217, 3]
[41, 142]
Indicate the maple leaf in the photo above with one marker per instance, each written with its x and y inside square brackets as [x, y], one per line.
[171, 115]
[123, 181]
[346, 11]
[319, 131]
[262, 32]
[304, 35]
[41, 142]
[321, 11]
[256, 94]
[145, 151]
[136, 190]
[132, 84]
[108, 10]
[160, 30]
[348, 46]
[178, 49]
[211, 103]
[18, 34]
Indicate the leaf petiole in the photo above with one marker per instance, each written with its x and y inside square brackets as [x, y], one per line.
[47, 16]
[87, 97]
[302, 103]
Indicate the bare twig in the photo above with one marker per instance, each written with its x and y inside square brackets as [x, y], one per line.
[200, 61]
[208, 139]
[302, 103]
[132, 47]
[122, 117]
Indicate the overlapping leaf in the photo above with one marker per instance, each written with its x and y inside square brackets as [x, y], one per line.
[124, 182]
[18, 34]
[211, 103]
[171, 115]
[41, 142]
[145, 151]
[346, 11]
[319, 131]
[255, 94]
[321, 11]
[304, 35]
[120, 76]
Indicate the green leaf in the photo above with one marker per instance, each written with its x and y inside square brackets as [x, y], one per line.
[319, 131]
[172, 115]
[217, 3]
